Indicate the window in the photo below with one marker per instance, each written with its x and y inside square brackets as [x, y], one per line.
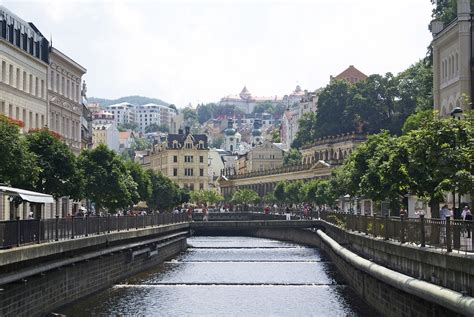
[51, 83]
[175, 158]
[201, 186]
[188, 158]
[10, 74]
[201, 172]
[189, 146]
[201, 159]
[24, 81]
[36, 87]
[188, 172]
[30, 90]
[17, 78]
[175, 172]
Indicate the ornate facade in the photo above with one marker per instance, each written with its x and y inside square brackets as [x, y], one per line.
[452, 61]
[182, 157]
[24, 58]
[65, 98]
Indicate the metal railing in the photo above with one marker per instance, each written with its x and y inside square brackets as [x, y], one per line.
[15, 233]
[424, 232]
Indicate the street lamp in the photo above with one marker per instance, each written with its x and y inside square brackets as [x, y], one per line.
[456, 113]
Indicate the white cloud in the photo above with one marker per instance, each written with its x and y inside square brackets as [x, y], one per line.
[199, 51]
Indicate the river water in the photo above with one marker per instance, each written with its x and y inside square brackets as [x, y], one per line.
[232, 276]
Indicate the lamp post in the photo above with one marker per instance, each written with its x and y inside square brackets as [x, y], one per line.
[456, 114]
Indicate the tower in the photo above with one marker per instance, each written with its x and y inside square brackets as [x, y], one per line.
[231, 137]
[256, 133]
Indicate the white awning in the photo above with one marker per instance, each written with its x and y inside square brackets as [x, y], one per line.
[33, 197]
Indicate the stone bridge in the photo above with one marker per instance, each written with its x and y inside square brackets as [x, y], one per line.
[249, 226]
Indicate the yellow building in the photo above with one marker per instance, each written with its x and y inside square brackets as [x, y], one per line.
[182, 157]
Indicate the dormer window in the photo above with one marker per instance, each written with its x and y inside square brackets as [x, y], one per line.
[175, 144]
[189, 146]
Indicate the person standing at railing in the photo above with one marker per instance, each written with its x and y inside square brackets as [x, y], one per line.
[467, 218]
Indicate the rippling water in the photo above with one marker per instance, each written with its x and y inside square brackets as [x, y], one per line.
[233, 276]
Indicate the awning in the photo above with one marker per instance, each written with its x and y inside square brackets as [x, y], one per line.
[28, 195]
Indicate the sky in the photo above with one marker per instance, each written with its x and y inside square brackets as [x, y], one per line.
[200, 51]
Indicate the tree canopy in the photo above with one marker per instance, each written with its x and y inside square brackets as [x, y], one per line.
[368, 106]
[58, 175]
[18, 164]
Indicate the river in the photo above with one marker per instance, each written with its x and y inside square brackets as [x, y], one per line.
[232, 276]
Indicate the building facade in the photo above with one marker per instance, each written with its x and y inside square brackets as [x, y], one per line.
[106, 134]
[102, 117]
[24, 59]
[452, 61]
[246, 102]
[124, 112]
[264, 156]
[65, 98]
[182, 157]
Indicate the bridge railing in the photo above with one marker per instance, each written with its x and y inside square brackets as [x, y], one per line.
[20, 232]
[425, 232]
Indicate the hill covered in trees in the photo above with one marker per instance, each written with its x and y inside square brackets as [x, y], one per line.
[136, 100]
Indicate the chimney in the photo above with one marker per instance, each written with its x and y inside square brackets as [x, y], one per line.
[180, 131]
[187, 130]
[436, 27]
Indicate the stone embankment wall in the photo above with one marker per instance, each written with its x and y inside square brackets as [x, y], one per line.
[86, 272]
[385, 298]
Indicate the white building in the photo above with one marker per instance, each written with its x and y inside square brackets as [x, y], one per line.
[103, 117]
[124, 112]
[64, 95]
[246, 102]
[23, 69]
[151, 113]
[107, 134]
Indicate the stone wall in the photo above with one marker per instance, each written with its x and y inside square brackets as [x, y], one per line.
[42, 294]
[387, 300]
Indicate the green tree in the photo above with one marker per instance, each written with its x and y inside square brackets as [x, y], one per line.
[217, 142]
[164, 193]
[293, 192]
[107, 181]
[205, 112]
[213, 197]
[307, 130]
[156, 128]
[59, 175]
[275, 136]
[418, 119]
[128, 126]
[197, 197]
[189, 114]
[245, 197]
[440, 159]
[266, 106]
[141, 144]
[292, 157]
[279, 191]
[142, 179]
[183, 196]
[386, 173]
[269, 198]
[18, 165]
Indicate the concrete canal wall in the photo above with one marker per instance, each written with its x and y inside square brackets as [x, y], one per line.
[48, 276]
[391, 293]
